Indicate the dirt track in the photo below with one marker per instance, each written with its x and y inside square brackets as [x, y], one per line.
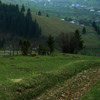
[74, 88]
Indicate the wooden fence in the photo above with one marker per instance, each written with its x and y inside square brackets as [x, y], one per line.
[10, 52]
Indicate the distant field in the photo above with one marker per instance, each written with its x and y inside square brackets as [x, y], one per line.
[26, 77]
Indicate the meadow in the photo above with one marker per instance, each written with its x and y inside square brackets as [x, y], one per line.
[26, 77]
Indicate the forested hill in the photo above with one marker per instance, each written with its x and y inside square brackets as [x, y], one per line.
[13, 21]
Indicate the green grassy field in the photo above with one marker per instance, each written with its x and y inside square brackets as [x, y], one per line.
[25, 77]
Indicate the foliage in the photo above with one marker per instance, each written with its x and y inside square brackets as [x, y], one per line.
[39, 13]
[79, 41]
[23, 8]
[84, 30]
[41, 50]
[97, 29]
[2, 42]
[47, 15]
[70, 42]
[50, 42]
[25, 46]
[15, 22]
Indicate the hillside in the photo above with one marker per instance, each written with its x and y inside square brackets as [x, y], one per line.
[94, 3]
[55, 26]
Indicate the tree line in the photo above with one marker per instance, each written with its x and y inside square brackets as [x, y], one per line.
[64, 42]
[14, 21]
[96, 27]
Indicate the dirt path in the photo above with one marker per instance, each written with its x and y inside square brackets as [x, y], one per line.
[74, 88]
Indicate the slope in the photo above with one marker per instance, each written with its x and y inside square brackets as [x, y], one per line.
[54, 26]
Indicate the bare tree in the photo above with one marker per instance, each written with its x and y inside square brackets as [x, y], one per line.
[70, 42]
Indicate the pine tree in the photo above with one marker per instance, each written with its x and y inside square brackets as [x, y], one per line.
[79, 41]
[47, 15]
[23, 8]
[84, 30]
[25, 46]
[28, 15]
[39, 13]
[50, 42]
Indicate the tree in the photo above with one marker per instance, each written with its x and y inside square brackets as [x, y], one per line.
[39, 13]
[47, 15]
[25, 46]
[84, 30]
[70, 42]
[23, 8]
[41, 49]
[28, 15]
[95, 26]
[79, 41]
[97, 29]
[50, 42]
[0, 2]
[2, 42]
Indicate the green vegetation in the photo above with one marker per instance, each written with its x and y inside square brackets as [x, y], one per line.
[25, 46]
[93, 93]
[50, 42]
[14, 22]
[27, 77]
[70, 42]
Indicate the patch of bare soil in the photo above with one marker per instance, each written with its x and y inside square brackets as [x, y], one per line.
[74, 88]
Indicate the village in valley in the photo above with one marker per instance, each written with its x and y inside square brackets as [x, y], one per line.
[77, 13]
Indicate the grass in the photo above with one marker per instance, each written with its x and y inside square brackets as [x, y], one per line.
[27, 77]
[56, 26]
[93, 93]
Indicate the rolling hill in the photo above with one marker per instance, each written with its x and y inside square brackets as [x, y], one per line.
[54, 26]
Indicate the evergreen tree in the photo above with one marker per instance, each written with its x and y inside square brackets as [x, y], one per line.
[0, 2]
[50, 42]
[78, 40]
[39, 13]
[2, 42]
[25, 46]
[15, 22]
[17, 8]
[47, 15]
[84, 30]
[23, 8]
[28, 15]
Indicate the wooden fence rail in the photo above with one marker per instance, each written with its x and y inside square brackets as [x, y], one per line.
[10, 52]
